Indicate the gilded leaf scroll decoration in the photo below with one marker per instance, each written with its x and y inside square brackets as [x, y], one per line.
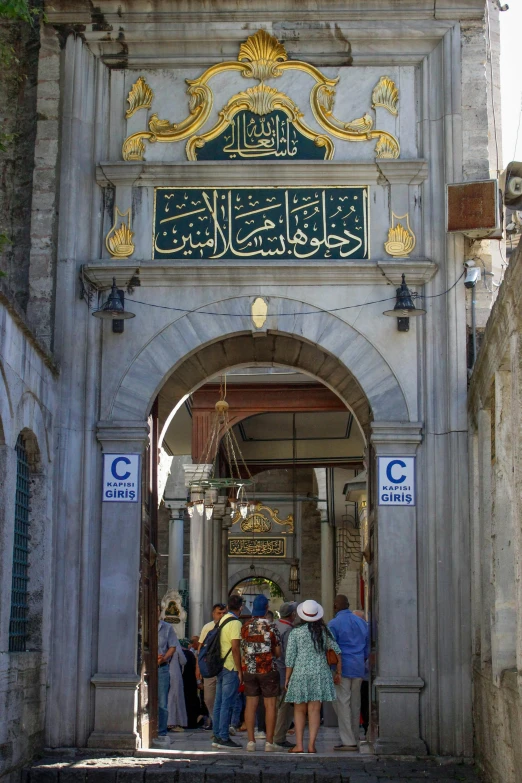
[260, 100]
[262, 57]
[139, 97]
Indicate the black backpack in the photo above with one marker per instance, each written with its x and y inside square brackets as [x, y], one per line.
[209, 657]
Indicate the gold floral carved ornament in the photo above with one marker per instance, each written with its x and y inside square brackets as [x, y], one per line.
[263, 57]
[119, 240]
[401, 239]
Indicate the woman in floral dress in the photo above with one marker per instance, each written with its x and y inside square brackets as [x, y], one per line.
[308, 676]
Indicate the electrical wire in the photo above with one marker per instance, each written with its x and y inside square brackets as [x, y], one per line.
[318, 311]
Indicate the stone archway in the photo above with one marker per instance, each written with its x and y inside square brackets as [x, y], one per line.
[196, 347]
[267, 573]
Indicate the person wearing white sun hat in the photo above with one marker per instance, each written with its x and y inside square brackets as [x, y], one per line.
[309, 679]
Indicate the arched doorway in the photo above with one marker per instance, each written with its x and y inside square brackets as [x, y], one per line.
[251, 586]
[185, 355]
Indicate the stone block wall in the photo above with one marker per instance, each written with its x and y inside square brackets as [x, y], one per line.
[496, 477]
[498, 725]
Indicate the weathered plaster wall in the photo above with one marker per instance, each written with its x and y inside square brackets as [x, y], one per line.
[27, 401]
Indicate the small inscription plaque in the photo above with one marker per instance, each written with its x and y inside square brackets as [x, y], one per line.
[257, 547]
[271, 223]
[272, 137]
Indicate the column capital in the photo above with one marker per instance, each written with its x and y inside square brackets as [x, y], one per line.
[123, 435]
[196, 472]
[389, 436]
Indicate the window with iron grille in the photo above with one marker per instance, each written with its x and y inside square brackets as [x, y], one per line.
[19, 606]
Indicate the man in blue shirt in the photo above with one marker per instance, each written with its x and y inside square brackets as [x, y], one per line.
[351, 634]
[166, 649]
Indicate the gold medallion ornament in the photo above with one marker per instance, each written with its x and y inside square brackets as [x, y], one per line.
[259, 312]
[119, 240]
[401, 240]
[261, 519]
[262, 57]
[139, 97]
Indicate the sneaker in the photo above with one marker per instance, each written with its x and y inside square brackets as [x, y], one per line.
[251, 746]
[232, 730]
[285, 745]
[229, 744]
[270, 747]
[259, 735]
[351, 748]
[215, 741]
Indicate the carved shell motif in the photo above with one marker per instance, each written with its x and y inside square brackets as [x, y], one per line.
[133, 149]
[262, 51]
[386, 148]
[139, 97]
[261, 98]
[401, 241]
[386, 94]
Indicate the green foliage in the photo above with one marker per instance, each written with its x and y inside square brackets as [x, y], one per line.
[18, 10]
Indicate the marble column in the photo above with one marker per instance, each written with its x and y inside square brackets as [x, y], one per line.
[217, 524]
[116, 679]
[175, 497]
[225, 526]
[197, 550]
[327, 546]
[398, 683]
[175, 571]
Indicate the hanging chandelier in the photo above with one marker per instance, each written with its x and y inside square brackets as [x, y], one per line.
[238, 478]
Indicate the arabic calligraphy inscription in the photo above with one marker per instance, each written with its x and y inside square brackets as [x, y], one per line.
[256, 547]
[271, 136]
[299, 222]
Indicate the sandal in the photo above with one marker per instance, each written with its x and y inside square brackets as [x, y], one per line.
[293, 750]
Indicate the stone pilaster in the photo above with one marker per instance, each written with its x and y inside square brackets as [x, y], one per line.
[398, 683]
[116, 679]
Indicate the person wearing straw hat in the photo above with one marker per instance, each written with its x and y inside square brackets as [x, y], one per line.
[308, 680]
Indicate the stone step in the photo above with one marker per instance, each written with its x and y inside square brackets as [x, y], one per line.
[227, 768]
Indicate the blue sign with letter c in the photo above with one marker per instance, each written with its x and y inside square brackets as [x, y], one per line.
[389, 471]
[116, 475]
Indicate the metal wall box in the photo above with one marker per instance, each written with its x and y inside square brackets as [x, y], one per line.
[472, 208]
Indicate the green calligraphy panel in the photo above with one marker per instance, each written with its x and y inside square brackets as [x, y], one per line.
[272, 223]
[269, 137]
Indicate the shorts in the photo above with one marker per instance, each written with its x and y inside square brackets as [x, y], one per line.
[266, 685]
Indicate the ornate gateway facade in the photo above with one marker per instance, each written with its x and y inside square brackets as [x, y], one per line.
[257, 183]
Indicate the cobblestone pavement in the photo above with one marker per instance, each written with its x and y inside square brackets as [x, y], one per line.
[191, 759]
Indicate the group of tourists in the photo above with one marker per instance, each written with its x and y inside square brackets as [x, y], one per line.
[275, 673]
